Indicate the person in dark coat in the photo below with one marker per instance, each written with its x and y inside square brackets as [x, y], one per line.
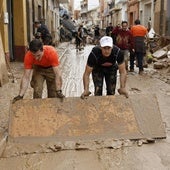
[109, 29]
[43, 33]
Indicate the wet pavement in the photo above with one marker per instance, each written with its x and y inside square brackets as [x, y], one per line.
[73, 66]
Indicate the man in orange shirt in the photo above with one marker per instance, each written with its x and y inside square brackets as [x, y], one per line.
[43, 60]
[139, 33]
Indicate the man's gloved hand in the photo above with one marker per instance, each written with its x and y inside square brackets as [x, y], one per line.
[17, 98]
[122, 91]
[85, 94]
[59, 94]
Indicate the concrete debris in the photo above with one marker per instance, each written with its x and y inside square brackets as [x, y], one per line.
[154, 60]
[168, 54]
[113, 144]
[139, 142]
[145, 141]
[160, 54]
[13, 149]
[158, 65]
[127, 143]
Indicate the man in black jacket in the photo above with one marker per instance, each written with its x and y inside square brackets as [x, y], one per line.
[43, 33]
[109, 30]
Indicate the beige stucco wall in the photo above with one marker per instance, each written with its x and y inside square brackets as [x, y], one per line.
[160, 17]
[3, 26]
[133, 11]
[20, 24]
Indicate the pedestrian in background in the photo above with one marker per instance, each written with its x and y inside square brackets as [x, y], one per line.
[44, 62]
[79, 38]
[96, 35]
[109, 29]
[43, 32]
[124, 41]
[62, 33]
[103, 62]
[139, 33]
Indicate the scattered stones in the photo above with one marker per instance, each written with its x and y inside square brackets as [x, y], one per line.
[140, 142]
[127, 143]
[158, 65]
[161, 62]
[145, 141]
[168, 54]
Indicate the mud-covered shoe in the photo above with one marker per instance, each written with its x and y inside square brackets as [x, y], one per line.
[141, 72]
[131, 70]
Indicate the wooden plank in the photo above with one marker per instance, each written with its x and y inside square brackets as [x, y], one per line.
[94, 118]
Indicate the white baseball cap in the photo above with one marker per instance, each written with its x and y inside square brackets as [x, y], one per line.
[106, 41]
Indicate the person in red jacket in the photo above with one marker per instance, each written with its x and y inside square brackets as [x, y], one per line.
[44, 62]
[139, 33]
[124, 41]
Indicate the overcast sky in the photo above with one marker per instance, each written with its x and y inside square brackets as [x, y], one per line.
[92, 4]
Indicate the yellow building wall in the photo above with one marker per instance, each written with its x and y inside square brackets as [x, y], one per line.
[20, 25]
[23, 17]
[20, 29]
[4, 27]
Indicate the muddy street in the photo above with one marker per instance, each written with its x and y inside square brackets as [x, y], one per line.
[126, 155]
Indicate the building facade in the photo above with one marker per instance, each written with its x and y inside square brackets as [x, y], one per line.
[152, 13]
[17, 18]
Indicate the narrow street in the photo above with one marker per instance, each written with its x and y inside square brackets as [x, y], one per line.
[152, 156]
[73, 66]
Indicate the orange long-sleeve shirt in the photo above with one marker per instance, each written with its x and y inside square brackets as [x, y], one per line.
[138, 31]
[49, 58]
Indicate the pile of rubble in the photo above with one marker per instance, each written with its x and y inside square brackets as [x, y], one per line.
[161, 63]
